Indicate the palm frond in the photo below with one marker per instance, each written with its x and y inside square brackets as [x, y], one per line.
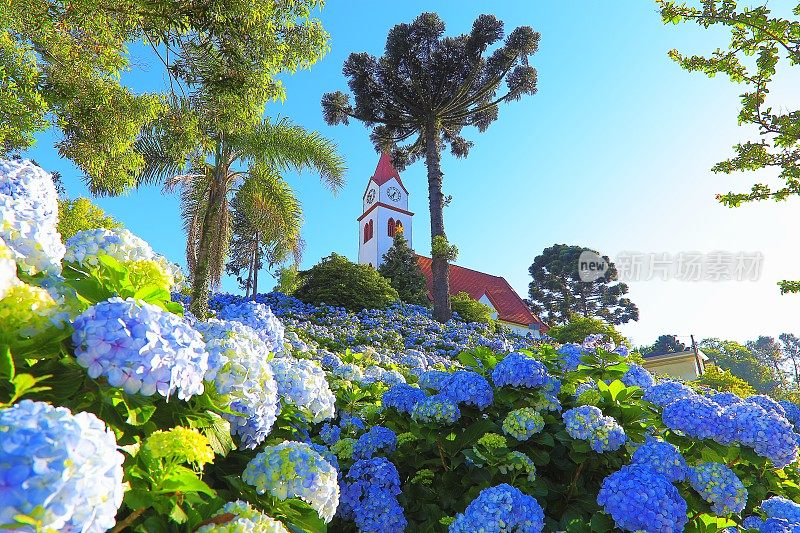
[282, 145]
[273, 211]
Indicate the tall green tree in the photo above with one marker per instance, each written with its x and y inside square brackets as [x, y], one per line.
[557, 290]
[664, 344]
[81, 214]
[423, 91]
[769, 353]
[401, 268]
[62, 62]
[247, 163]
[251, 247]
[742, 363]
[759, 42]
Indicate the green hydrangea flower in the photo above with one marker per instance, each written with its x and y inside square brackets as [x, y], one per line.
[180, 445]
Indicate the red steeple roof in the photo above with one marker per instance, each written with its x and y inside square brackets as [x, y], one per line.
[386, 171]
[505, 300]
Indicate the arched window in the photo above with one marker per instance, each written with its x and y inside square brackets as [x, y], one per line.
[398, 227]
[391, 227]
[371, 228]
[367, 232]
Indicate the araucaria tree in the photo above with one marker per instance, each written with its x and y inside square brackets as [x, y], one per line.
[557, 290]
[400, 267]
[759, 42]
[423, 91]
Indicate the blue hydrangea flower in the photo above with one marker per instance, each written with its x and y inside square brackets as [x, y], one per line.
[724, 399]
[666, 392]
[500, 509]
[434, 380]
[246, 519]
[696, 416]
[259, 317]
[523, 423]
[580, 420]
[780, 507]
[377, 439]
[519, 370]
[295, 470]
[402, 397]
[586, 422]
[29, 217]
[465, 387]
[369, 497]
[753, 522]
[792, 411]
[570, 356]
[141, 348]
[720, 487]
[663, 457]
[639, 376]
[302, 383]
[778, 525]
[350, 422]
[330, 434]
[438, 408]
[769, 434]
[767, 403]
[65, 465]
[242, 377]
[639, 498]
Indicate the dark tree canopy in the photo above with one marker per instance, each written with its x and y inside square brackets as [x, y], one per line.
[424, 75]
[423, 91]
[664, 344]
[557, 290]
[400, 267]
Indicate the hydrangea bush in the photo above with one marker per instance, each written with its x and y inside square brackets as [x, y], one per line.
[117, 411]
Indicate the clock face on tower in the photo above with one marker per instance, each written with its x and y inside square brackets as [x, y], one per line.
[394, 194]
[371, 196]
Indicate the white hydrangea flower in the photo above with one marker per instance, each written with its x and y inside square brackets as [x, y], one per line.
[29, 216]
[8, 270]
[302, 382]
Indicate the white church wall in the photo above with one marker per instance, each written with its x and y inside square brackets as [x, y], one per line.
[402, 203]
[368, 251]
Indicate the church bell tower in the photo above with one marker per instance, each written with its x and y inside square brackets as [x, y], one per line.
[384, 212]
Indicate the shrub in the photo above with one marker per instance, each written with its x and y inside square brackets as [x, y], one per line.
[723, 381]
[579, 327]
[471, 310]
[81, 214]
[339, 282]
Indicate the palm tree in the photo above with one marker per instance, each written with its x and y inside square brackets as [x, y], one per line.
[428, 87]
[251, 246]
[217, 165]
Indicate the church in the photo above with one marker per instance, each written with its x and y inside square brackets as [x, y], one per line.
[385, 210]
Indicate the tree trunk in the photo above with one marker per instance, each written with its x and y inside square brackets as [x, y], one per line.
[201, 279]
[440, 271]
[255, 268]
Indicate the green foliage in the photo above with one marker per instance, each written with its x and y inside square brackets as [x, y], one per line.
[579, 327]
[288, 279]
[759, 42]
[441, 248]
[723, 381]
[425, 89]
[401, 268]
[471, 310]
[81, 214]
[339, 282]
[742, 363]
[557, 290]
[664, 344]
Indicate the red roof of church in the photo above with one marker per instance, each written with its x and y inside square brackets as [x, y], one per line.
[505, 300]
[385, 171]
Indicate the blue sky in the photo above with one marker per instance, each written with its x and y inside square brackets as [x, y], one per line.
[612, 153]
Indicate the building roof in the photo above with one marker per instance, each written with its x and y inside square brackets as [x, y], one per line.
[509, 306]
[676, 355]
[384, 172]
